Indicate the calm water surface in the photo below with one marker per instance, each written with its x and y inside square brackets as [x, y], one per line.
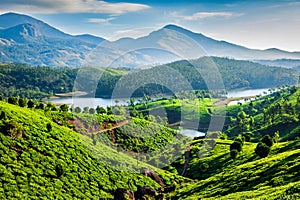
[94, 102]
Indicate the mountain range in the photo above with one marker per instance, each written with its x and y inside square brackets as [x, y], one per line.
[24, 39]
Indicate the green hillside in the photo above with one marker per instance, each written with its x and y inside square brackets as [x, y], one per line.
[48, 152]
[208, 73]
[277, 112]
[247, 176]
[222, 174]
[41, 159]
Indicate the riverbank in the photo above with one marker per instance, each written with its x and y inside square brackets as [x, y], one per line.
[64, 95]
[226, 101]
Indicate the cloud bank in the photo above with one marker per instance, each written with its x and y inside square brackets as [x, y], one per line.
[203, 15]
[70, 6]
[100, 20]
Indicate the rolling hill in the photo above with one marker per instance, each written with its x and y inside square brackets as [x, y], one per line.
[42, 158]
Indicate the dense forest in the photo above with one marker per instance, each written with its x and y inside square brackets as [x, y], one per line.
[39, 82]
[204, 73]
[211, 73]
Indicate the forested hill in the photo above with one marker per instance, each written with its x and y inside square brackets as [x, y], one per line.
[236, 73]
[208, 73]
[37, 82]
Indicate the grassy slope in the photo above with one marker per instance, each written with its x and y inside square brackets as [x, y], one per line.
[286, 122]
[181, 110]
[60, 163]
[246, 177]
[32, 163]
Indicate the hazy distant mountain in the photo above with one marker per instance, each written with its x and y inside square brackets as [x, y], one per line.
[288, 63]
[89, 38]
[225, 49]
[27, 40]
[176, 37]
[24, 43]
[9, 20]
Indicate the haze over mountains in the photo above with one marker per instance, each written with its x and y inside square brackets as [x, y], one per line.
[24, 39]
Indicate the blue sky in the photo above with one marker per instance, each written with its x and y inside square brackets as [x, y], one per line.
[255, 24]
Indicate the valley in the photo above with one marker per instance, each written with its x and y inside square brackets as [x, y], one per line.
[170, 105]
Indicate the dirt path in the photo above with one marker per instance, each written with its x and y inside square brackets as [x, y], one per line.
[174, 124]
[186, 159]
[117, 125]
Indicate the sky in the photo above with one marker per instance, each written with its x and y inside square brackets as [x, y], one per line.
[254, 24]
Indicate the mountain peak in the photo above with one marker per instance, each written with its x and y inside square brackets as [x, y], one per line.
[12, 19]
[174, 27]
[182, 30]
[13, 13]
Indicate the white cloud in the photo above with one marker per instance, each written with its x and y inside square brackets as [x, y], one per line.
[132, 33]
[203, 15]
[100, 20]
[70, 6]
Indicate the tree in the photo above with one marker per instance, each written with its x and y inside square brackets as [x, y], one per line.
[233, 153]
[30, 104]
[100, 110]
[49, 127]
[109, 110]
[12, 100]
[243, 121]
[2, 115]
[262, 150]
[92, 111]
[86, 109]
[204, 167]
[236, 145]
[119, 110]
[41, 106]
[77, 110]
[267, 140]
[59, 170]
[22, 102]
[51, 106]
[64, 108]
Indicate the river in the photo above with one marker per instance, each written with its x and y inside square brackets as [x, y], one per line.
[88, 102]
[192, 133]
[94, 102]
[246, 93]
